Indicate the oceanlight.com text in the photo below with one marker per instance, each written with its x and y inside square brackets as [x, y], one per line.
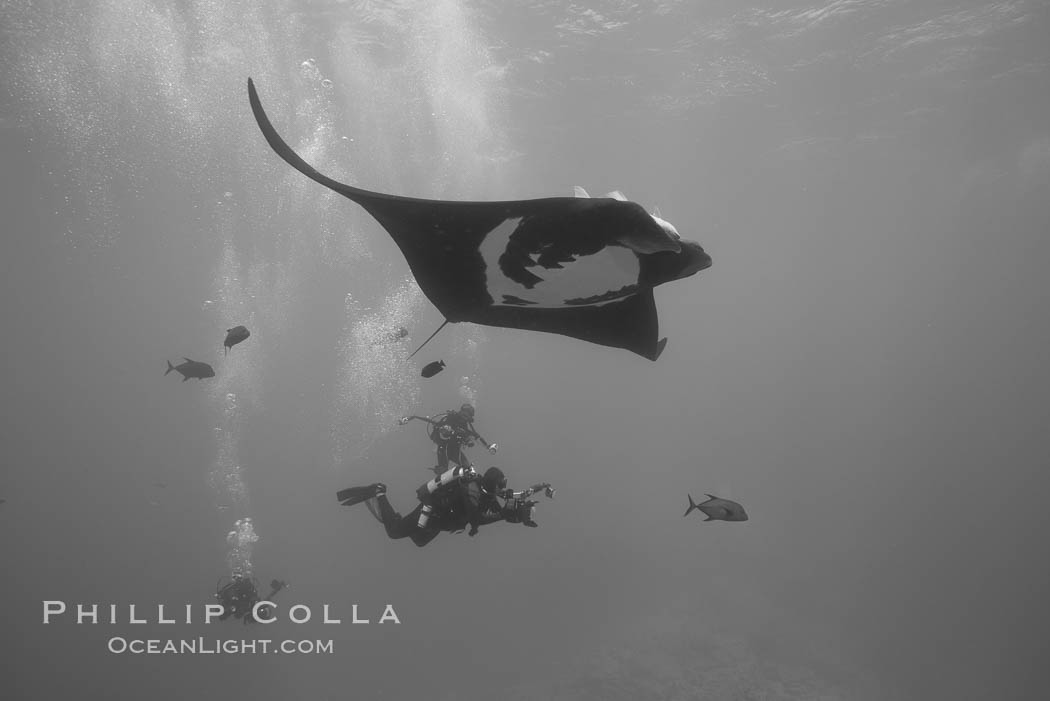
[204, 646]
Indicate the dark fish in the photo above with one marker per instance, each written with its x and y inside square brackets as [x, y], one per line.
[575, 266]
[392, 336]
[718, 509]
[431, 369]
[235, 336]
[191, 368]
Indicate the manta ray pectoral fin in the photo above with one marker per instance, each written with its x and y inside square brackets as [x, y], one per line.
[578, 191]
[617, 195]
[293, 159]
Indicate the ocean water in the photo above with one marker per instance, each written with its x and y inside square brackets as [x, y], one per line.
[863, 366]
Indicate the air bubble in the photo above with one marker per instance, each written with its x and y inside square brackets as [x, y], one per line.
[308, 68]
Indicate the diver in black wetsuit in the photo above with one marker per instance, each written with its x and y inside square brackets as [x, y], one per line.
[240, 595]
[452, 430]
[464, 501]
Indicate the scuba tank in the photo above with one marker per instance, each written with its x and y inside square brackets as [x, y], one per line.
[427, 490]
[451, 476]
[440, 431]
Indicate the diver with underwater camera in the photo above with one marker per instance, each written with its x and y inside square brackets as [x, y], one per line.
[453, 501]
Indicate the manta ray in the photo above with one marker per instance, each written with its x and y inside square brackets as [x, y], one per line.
[577, 266]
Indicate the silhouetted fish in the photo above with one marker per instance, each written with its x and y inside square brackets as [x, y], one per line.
[718, 509]
[191, 368]
[431, 369]
[235, 336]
[391, 336]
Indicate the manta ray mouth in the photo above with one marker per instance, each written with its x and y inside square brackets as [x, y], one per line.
[703, 262]
[658, 268]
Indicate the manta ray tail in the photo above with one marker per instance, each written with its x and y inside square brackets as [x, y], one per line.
[428, 340]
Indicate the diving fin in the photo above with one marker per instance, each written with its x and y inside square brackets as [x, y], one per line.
[373, 508]
[355, 495]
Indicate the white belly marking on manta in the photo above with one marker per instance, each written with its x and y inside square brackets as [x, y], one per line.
[611, 269]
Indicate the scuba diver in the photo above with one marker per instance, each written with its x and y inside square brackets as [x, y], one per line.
[453, 501]
[450, 431]
[240, 595]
